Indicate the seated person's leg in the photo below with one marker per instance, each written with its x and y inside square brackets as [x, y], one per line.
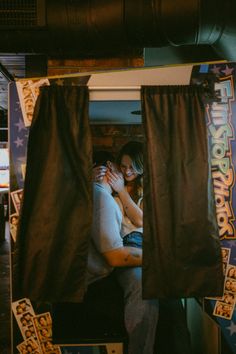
[140, 315]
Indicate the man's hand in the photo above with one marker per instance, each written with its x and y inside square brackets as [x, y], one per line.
[99, 173]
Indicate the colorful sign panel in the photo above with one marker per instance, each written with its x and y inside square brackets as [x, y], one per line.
[221, 124]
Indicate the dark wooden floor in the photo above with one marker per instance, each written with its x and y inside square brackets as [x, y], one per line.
[5, 311]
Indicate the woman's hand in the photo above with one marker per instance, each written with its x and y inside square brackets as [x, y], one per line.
[131, 209]
[98, 173]
[116, 181]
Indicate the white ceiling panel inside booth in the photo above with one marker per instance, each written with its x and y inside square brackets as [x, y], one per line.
[115, 96]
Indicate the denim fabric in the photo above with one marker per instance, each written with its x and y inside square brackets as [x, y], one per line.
[140, 315]
[134, 239]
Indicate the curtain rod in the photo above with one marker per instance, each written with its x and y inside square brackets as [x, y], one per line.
[115, 88]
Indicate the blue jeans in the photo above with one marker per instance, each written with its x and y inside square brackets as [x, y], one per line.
[134, 239]
[140, 315]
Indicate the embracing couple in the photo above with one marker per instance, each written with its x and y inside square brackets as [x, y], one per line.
[116, 241]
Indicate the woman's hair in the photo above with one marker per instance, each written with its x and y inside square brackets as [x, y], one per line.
[134, 149]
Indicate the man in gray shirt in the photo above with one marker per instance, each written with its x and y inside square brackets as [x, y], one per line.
[108, 253]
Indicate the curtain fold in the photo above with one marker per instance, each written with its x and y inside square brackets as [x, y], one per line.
[50, 257]
[182, 255]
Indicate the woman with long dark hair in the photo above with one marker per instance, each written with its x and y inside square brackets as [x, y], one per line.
[128, 187]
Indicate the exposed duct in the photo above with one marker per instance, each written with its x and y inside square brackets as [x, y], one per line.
[94, 27]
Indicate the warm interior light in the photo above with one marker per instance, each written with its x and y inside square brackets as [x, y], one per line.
[4, 168]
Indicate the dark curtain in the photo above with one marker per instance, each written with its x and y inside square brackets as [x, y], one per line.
[182, 255]
[52, 242]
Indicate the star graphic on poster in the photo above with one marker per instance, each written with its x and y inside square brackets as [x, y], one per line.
[18, 142]
[20, 125]
[232, 328]
[227, 71]
[17, 106]
[216, 69]
[233, 243]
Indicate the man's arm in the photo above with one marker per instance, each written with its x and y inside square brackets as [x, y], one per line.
[124, 257]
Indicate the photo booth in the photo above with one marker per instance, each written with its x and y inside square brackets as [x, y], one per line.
[189, 186]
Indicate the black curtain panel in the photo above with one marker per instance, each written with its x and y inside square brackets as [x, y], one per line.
[52, 242]
[182, 255]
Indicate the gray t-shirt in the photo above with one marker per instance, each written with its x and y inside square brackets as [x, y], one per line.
[105, 236]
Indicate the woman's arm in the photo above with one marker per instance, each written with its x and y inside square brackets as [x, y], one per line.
[131, 209]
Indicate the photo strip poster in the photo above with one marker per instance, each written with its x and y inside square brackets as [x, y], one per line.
[36, 330]
[221, 127]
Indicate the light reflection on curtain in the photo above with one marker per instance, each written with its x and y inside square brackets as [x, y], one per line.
[52, 242]
[182, 256]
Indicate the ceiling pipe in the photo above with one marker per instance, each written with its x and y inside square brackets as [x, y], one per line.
[99, 27]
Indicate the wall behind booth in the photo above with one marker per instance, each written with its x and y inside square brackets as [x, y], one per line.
[112, 137]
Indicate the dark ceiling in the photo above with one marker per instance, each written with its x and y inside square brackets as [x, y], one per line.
[101, 28]
[161, 32]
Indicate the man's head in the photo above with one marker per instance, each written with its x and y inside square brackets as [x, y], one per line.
[100, 158]
[102, 161]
